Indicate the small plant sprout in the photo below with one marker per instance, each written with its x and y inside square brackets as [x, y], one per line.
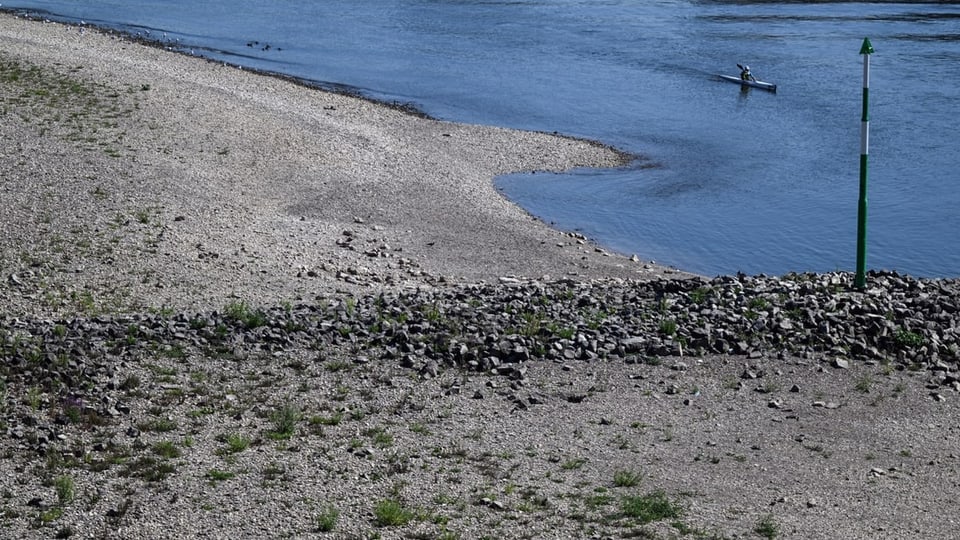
[767, 527]
[158, 425]
[284, 422]
[626, 478]
[419, 429]
[65, 489]
[668, 327]
[34, 397]
[391, 513]
[908, 339]
[573, 464]
[652, 507]
[381, 438]
[698, 295]
[244, 314]
[218, 475]
[143, 216]
[166, 449]
[332, 420]
[327, 519]
[236, 443]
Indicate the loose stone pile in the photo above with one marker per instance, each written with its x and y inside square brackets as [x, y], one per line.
[910, 322]
[79, 365]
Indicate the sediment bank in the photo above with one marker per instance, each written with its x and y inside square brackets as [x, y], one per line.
[236, 307]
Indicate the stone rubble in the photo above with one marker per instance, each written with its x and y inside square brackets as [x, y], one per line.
[899, 321]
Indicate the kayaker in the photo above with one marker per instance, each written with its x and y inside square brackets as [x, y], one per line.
[745, 74]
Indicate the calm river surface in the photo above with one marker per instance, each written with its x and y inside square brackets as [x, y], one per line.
[728, 181]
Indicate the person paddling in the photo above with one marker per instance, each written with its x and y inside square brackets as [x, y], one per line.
[745, 74]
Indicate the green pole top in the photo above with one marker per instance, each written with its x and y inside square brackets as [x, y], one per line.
[866, 48]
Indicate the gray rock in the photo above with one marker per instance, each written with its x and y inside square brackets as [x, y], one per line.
[841, 363]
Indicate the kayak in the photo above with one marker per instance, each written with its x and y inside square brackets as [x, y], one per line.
[754, 84]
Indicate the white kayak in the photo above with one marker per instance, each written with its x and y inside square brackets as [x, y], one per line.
[753, 84]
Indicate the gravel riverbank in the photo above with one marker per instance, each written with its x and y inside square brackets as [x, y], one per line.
[523, 409]
[236, 307]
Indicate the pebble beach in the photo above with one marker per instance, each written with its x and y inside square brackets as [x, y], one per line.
[235, 306]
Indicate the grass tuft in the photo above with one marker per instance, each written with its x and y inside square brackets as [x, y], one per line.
[626, 478]
[655, 506]
[244, 314]
[391, 513]
[284, 422]
[327, 519]
[573, 464]
[767, 527]
[218, 475]
[166, 449]
[65, 489]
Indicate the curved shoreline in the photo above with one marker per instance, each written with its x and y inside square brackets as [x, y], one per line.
[324, 86]
[190, 181]
[624, 158]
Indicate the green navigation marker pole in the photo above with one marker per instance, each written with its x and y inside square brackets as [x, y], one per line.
[860, 281]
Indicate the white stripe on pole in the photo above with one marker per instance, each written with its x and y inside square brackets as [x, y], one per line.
[864, 137]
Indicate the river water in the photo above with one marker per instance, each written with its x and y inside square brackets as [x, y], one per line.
[726, 180]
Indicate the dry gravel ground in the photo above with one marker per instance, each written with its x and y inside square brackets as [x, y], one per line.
[134, 179]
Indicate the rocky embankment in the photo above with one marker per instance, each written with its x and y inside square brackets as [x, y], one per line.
[898, 321]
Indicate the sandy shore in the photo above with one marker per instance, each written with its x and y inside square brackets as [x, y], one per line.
[185, 181]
